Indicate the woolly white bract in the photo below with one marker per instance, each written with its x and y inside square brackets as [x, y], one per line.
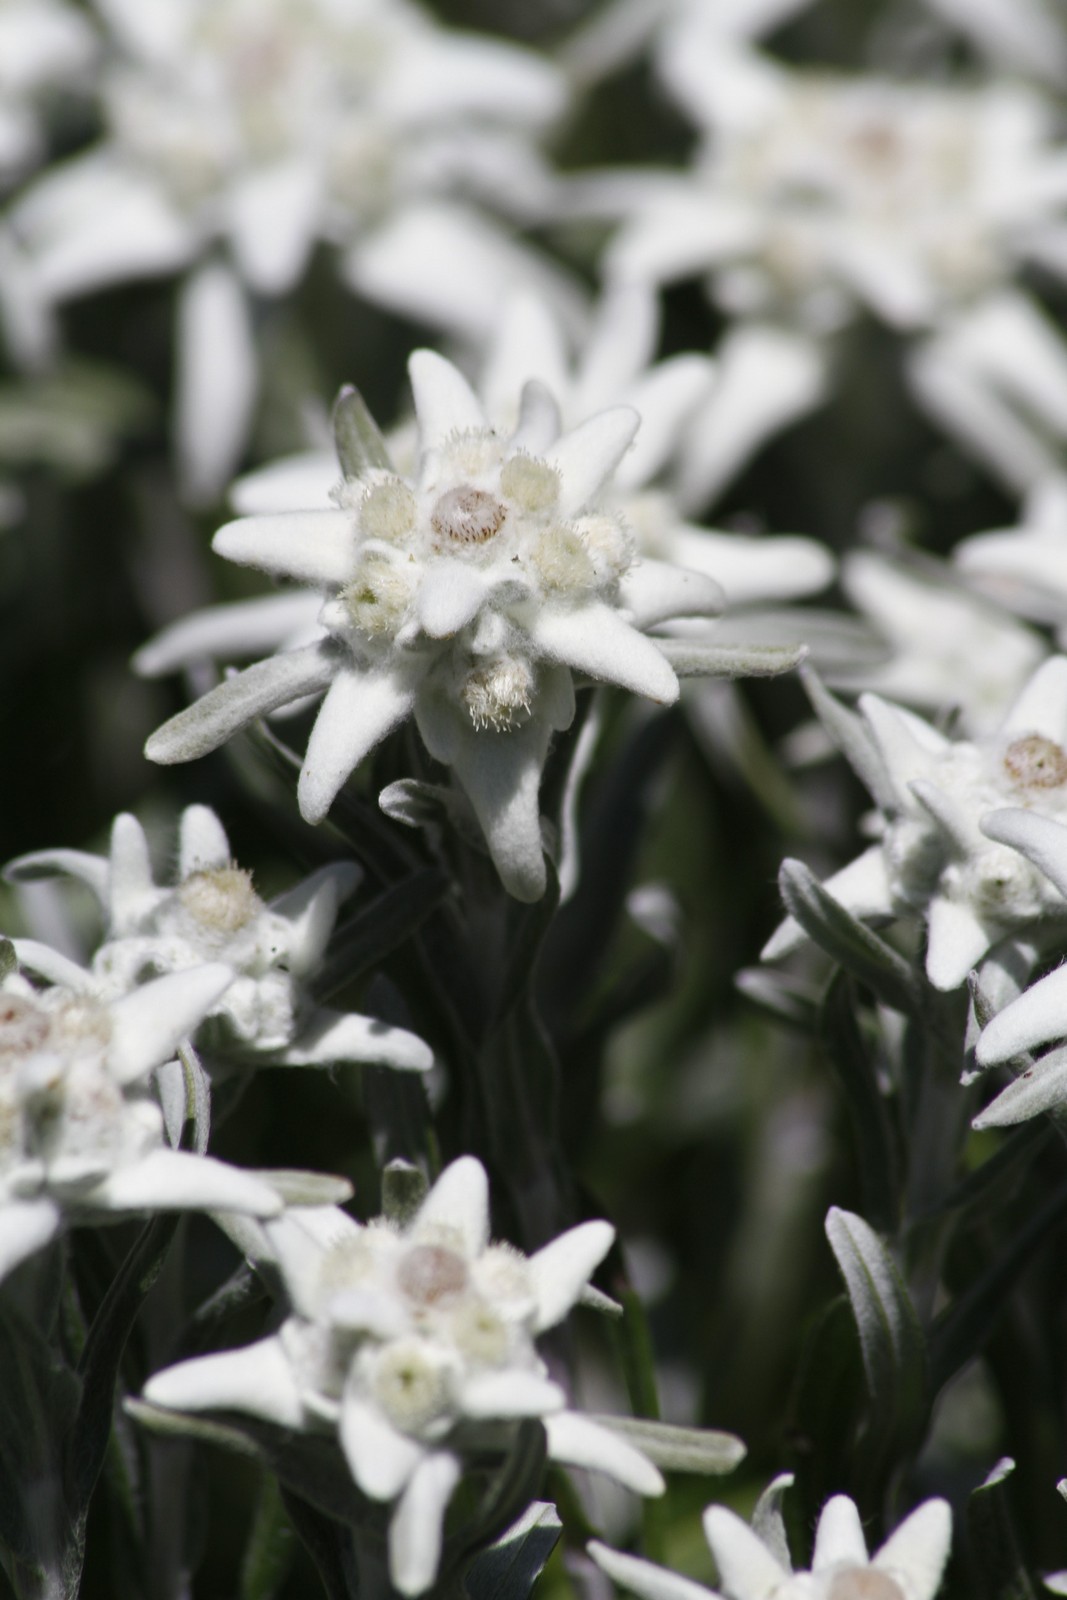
[467, 596]
[415, 1345]
[81, 1130]
[933, 857]
[45, 46]
[907, 1567]
[213, 913]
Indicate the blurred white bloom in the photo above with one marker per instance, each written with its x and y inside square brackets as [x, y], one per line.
[1025, 567]
[933, 856]
[81, 1129]
[908, 1566]
[269, 125]
[213, 914]
[466, 595]
[416, 1344]
[45, 46]
[950, 651]
[813, 195]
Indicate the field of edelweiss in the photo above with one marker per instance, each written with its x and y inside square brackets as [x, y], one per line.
[533, 941]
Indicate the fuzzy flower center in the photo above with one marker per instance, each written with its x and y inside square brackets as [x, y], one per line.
[466, 515]
[864, 1583]
[221, 899]
[429, 1274]
[1035, 762]
[410, 1386]
[24, 1028]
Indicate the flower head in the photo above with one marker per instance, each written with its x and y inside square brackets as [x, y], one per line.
[907, 1567]
[467, 593]
[414, 1343]
[934, 856]
[81, 1128]
[212, 913]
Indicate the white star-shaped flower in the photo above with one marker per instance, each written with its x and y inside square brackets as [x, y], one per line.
[467, 595]
[81, 1128]
[813, 195]
[213, 914]
[908, 1566]
[934, 857]
[266, 126]
[414, 1344]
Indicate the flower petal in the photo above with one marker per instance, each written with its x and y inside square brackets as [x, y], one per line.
[655, 591]
[450, 595]
[538, 424]
[360, 708]
[80, 864]
[416, 1531]
[1040, 839]
[575, 1441]
[1036, 1016]
[1042, 705]
[272, 217]
[587, 456]
[381, 1459]
[747, 1569]
[458, 1203]
[178, 1180]
[445, 403]
[218, 376]
[203, 845]
[509, 1394]
[26, 1226]
[839, 1535]
[919, 1548]
[335, 1036]
[311, 546]
[311, 908]
[956, 940]
[226, 633]
[255, 692]
[148, 1024]
[561, 1269]
[596, 639]
[257, 1379]
[644, 1578]
[53, 965]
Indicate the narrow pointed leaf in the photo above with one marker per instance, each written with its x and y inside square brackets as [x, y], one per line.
[860, 951]
[360, 446]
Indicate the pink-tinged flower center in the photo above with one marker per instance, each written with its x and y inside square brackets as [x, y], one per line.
[23, 1027]
[864, 1583]
[466, 515]
[1035, 762]
[429, 1274]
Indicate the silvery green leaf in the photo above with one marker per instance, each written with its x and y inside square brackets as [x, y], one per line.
[768, 1523]
[852, 737]
[986, 1190]
[597, 1300]
[38, 1393]
[508, 1569]
[404, 1188]
[691, 658]
[360, 446]
[183, 1425]
[269, 1552]
[677, 1449]
[858, 949]
[997, 1563]
[297, 1188]
[891, 1338]
[197, 1097]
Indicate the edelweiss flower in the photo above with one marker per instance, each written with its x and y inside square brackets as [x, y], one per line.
[269, 125]
[907, 1567]
[415, 1344]
[213, 914]
[45, 45]
[466, 595]
[950, 650]
[531, 342]
[814, 194]
[935, 856]
[81, 1131]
